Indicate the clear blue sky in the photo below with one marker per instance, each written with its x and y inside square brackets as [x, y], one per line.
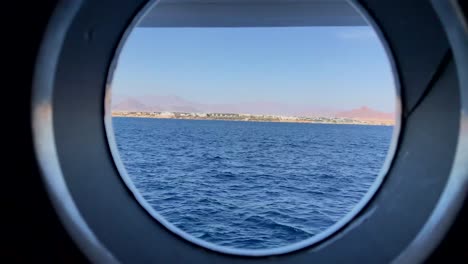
[338, 67]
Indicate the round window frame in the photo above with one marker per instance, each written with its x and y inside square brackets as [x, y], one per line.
[313, 240]
[79, 215]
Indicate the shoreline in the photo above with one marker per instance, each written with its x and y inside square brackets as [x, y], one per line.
[264, 120]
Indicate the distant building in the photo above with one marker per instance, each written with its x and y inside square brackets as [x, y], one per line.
[167, 115]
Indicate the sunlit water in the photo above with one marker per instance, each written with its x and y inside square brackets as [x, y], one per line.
[251, 185]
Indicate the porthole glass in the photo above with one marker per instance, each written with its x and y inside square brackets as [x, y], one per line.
[252, 134]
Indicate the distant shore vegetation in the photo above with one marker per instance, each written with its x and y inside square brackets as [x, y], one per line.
[253, 118]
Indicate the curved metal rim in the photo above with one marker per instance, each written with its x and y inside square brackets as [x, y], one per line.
[43, 135]
[309, 242]
[42, 125]
[456, 188]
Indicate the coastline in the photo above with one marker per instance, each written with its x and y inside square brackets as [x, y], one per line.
[254, 118]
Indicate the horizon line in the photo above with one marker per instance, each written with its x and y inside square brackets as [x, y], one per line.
[249, 114]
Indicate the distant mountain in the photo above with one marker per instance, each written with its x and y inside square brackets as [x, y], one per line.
[169, 103]
[153, 104]
[364, 113]
[158, 103]
[131, 104]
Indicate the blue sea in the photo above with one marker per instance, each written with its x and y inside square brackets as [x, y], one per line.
[250, 185]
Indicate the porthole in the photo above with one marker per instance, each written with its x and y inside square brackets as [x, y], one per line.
[252, 140]
[403, 219]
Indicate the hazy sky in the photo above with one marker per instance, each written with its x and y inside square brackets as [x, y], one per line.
[337, 67]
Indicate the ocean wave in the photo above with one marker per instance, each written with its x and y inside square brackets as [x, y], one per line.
[252, 185]
[273, 225]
